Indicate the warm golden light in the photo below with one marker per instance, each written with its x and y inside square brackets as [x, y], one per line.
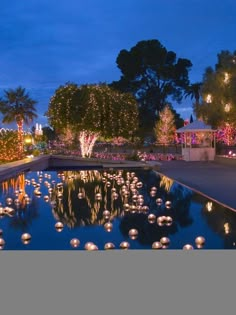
[227, 107]
[209, 98]
[209, 206]
[226, 78]
[227, 228]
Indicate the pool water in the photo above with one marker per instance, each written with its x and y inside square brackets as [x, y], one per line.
[55, 206]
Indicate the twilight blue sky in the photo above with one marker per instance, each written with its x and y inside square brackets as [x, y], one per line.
[45, 43]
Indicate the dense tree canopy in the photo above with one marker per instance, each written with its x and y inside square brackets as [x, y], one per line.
[218, 105]
[153, 74]
[92, 111]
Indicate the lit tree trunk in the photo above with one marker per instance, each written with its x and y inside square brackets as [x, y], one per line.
[87, 140]
[20, 137]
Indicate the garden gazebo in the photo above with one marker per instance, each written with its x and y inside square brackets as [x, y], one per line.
[198, 141]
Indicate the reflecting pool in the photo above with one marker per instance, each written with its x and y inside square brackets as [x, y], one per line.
[109, 209]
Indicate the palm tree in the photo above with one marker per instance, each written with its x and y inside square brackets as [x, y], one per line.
[193, 90]
[19, 107]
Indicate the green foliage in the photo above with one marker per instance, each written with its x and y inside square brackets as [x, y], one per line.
[218, 104]
[9, 145]
[152, 74]
[94, 108]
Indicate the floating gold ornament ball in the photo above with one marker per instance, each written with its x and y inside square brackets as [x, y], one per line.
[153, 193]
[161, 220]
[9, 201]
[169, 221]
[109, 245]
[74, 242]
[80, 195]
[156, 245]
[115, 195]
[165, 241]
[133, 234]
[2, 243]
[16, 201]
[151, 218]
[188, 247]
[159, 201]
[90, 246]
[27, 200]
[139, 185]
[200, 241]
[59, 226]
[133, 209]
[9, 211]
[108, 226]
[145, 209]
[25, 238]
[168, 204]
[106, 214]
[124, 245]
[98, 197]
[46, 198]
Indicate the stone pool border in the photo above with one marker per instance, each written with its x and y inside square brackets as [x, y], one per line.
[45, 161]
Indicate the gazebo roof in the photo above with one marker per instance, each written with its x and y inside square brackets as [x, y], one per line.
[195, 126]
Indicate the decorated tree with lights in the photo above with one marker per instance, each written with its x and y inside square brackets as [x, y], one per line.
[165, 127]
[17, 106]
[218, 106]
[91, 111]
[9, 145]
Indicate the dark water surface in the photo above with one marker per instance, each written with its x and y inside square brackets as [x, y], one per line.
[35, 201]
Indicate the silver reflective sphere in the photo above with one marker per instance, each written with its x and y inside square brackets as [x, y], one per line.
[74, 242]
[108, 246]
[156, 245]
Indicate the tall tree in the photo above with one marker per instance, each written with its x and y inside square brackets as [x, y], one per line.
[194, 92]
[17, 106]
[218, 106]
[153, 74]
[92, 111]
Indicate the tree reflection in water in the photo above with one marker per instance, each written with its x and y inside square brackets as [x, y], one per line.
[222, 221]
[24, 211]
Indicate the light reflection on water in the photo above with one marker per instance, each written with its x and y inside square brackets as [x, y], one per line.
[34, 202]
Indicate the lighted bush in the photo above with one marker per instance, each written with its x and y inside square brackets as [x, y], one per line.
[9, 145]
